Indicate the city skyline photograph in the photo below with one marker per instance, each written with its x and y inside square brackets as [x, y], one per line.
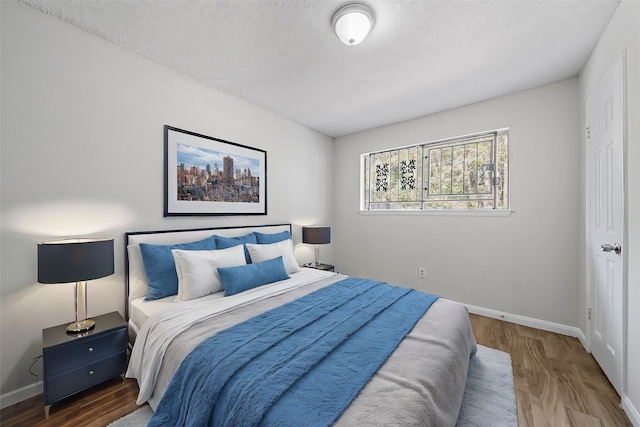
[211, 176]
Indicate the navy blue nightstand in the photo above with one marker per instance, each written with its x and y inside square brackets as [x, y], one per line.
[73, 363]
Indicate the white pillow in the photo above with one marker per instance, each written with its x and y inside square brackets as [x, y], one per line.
[198, 270]
[283, 248]
[137, 276]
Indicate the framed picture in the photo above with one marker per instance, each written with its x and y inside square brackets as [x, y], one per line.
[211, 176]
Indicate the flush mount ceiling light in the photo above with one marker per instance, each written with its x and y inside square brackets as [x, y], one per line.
[352, 22]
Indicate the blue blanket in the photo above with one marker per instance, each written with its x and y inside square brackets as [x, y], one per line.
[299, 364]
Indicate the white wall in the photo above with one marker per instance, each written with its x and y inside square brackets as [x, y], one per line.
[526, 263]
[623, 33]
[82, 154]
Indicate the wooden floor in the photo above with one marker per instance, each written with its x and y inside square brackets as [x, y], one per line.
[557, 384]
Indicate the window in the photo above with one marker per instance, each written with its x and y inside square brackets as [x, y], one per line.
[466, 173]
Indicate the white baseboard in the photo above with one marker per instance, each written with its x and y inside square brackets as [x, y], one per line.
[631, 411]
[21, 394]
[571, 331]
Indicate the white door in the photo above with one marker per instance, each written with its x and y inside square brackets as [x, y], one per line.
[605, 240]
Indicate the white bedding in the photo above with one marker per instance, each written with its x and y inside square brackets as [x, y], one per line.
[141, 310]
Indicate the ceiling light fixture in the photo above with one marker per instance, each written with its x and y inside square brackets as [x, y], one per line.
[352, 22]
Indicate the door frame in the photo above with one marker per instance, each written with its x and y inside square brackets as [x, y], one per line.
[621, 60]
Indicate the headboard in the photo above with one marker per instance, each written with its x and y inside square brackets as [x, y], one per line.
[135, 278]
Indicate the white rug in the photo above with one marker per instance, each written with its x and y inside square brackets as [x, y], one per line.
[489, 396]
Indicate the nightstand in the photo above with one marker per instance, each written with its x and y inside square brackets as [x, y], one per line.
[320, 266]
[73, 363]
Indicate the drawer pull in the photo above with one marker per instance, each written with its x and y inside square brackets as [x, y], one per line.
[90, 349]
[90, 372]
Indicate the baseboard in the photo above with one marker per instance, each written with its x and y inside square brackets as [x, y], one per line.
[631, 411]
[21, 394]
[558, 328]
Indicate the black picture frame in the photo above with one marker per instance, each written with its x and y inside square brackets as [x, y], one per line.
[211, 176]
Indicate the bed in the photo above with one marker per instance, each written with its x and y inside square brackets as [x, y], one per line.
[187, 346]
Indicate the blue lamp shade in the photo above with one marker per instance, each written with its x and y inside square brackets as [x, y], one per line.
[76, 260]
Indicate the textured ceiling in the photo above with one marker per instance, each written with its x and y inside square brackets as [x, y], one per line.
[421, 56]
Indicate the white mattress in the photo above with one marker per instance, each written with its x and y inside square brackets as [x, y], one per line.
[141, 310]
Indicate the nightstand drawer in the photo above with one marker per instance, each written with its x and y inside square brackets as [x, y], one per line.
[60, 386]
[87, 350]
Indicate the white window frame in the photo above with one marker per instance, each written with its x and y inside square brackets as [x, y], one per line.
[421, 200]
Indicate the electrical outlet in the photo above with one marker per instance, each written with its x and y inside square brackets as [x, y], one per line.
[422, 272]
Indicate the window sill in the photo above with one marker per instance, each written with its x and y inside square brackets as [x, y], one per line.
[438, 212]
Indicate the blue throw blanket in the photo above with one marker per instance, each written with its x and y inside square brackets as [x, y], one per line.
[299, 364]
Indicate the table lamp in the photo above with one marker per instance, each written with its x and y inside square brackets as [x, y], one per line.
[75, 260]
[316, 235]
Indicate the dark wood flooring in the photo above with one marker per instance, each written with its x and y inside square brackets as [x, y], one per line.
[557, 384]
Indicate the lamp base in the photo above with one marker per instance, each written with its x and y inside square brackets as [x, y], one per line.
[81, 326]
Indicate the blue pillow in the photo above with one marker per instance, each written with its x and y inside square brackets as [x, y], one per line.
[265, 239]
[160, 267]
[244, 277]
[228, 242]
